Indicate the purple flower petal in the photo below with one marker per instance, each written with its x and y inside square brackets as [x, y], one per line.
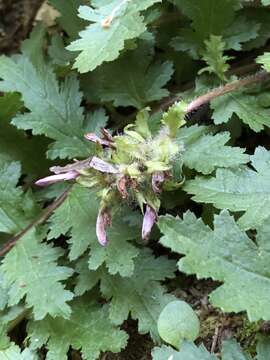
[56, 178]
[103, 166]
[103, 220]
[94, 138]
[157, 179]
[149, 219]
[122, 186]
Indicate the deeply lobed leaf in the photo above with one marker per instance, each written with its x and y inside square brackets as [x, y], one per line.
[111, 25]
[224, 254]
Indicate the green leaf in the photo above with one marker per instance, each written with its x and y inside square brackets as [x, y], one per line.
[30, 270]
[188, 351]
[69, 20]
[55, 109]
[213, 56]
[88, 330]
[33, 47]
[129, 81]
[208, 16]
[230, 351]
[243, 30]
[208, 152]
[266, 2]
[86, 279]
[174, 118]
[264, 60]
[14, 353]
[245, 106]
[3, 292]
[262, 17]
[111, 25]
[79, 213]
[141, 295]
[17, 208]
[241, 189]
[178, 322]
[58, 53]
[212, 17]
[263, 349]
[14, 144]
[224, 254]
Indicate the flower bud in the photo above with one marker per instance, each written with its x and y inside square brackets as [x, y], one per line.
[149, 219]
[157, 179]
[57, 178]
[103, 220]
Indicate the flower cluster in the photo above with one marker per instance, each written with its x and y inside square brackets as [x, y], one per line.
[135, 166]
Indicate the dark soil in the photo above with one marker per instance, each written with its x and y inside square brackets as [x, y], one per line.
[16, 18]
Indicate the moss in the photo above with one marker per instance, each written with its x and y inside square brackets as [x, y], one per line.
[248, 335]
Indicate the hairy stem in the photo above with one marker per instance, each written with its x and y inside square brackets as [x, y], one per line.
[41, 219]
[259, 77]
[230, 87]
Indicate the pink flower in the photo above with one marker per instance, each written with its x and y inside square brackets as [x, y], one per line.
[95, 139]
[102, 166]
[149, 219]
[103, 220]
[56, 178]
[157, 180]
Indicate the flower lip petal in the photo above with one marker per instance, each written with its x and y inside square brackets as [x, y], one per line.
[149, 219]
[103, 220]
[57, 178]
[157, 179]
[102, 166]
[95, 139]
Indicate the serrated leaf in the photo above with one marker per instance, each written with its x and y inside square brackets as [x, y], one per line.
[230, 351]
[86, 279]
[33, 46]
[17, 208]
[88, 330]
[3, 292]
[243, 30]
[69, 20]
[241, 189]
[224, 254]
[208, 16]
[188, 351]
[262, 17]
[213, 56]
[129, 81]
[141, 294]
[55, 109]
[30, 270]
[14, 144]
[58, 53]
[111, 25]
[79, 213]
[15, 353]
[174, 118]
[263, 349]
[212, 17]
[209, 152]
[264, 60]
[245, 106]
